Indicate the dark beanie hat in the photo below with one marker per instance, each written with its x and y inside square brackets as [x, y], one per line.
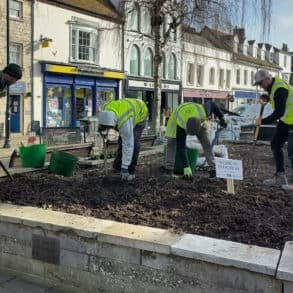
[192, 126]
[13, 70]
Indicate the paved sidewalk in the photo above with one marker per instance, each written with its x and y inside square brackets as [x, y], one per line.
[10, 283]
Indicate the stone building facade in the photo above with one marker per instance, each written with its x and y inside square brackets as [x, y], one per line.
[20, 52]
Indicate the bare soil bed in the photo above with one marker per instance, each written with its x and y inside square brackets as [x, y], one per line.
[253, 215]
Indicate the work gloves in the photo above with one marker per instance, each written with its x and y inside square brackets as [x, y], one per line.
[223, 123]
[187, 173]
[125, 176]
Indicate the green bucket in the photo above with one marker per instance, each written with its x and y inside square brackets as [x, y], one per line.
[33, 156]
[192, 155]
[62, 163]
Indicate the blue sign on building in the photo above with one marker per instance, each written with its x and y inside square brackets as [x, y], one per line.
[17, 88]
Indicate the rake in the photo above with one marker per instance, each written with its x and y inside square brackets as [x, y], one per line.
[251, 161]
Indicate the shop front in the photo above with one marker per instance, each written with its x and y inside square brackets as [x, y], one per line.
[201, 96]
[144, 89]
[245, 97]
[74, 93]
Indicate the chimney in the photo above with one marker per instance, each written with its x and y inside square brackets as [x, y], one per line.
[285, 47]
[240, 32]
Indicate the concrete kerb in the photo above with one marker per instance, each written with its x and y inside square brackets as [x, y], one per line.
[103, 250]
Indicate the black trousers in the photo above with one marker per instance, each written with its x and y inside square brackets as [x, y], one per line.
[137, 132]
[282, 134]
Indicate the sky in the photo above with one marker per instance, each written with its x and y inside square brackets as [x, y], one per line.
[281, 26]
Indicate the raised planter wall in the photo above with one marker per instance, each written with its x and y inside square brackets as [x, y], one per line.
[95, 255]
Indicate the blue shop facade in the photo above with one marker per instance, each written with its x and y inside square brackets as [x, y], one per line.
[74, 93]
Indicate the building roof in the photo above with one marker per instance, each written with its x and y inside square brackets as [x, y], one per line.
[223, 41]
[101, 8]
[191, 35]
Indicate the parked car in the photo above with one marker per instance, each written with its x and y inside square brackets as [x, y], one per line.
[246, 121]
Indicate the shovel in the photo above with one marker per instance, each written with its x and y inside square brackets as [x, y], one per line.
[6, 171]
[252, 163]
[105, 146]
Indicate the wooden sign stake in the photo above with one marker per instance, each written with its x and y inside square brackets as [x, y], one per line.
[230, 186]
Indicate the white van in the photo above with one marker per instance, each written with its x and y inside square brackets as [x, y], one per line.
[248, 113]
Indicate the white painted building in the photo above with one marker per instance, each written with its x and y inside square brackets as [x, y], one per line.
[206, 69]
[139, 55]
[77, 60]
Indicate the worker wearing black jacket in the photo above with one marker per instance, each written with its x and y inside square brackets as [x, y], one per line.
[281, 98]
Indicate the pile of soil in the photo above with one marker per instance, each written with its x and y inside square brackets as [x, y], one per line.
[254, 214]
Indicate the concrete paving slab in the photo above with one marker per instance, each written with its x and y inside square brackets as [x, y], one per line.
[228, 253]
[285, 269]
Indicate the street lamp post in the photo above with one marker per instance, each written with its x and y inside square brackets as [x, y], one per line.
[7, 142]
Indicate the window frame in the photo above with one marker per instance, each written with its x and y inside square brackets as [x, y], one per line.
[151, 73]
[93, 33]
[20, 16]
[138, 60]
[20, 57]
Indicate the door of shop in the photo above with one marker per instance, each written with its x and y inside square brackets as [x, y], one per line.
[15, 113]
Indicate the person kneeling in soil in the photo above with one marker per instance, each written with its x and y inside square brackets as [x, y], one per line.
[190, 119]
[128, 117]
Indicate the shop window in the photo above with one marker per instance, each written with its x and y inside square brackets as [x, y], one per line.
[15, 9]
[15, 53]
[83, 103]
[84, 44]
[134, 60]
[148, 63]
[103, 97]
[172, 68]
[58, 107]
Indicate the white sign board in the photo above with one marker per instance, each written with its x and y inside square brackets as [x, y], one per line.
[229, 169]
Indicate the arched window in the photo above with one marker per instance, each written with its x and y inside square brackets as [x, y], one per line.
[163, 66]
[172, 68]
[148, 63]
[134, 60]
[133, 18]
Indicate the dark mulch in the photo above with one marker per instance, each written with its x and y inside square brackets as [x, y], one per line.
[254, 214]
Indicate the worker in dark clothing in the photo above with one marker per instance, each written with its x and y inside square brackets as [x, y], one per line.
[281, 98]
[10, 75]
[190, 119]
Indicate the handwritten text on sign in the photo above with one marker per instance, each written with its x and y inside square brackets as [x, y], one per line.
[230, 169]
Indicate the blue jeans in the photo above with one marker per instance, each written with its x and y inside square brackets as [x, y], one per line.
[137, 132]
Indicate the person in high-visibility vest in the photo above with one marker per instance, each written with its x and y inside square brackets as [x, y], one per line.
[281, 99]
[190, 119]
[128, 117]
